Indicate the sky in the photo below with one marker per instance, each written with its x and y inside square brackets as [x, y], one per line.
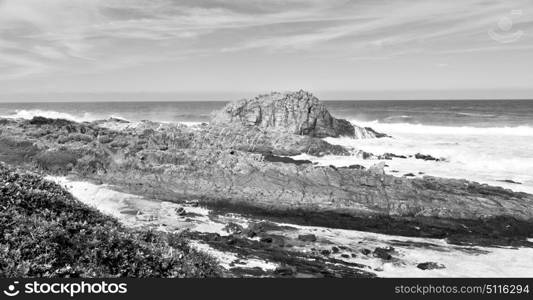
[214, 49]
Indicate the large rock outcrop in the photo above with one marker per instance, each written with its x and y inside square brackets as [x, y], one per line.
[228, 168]
[298, 113]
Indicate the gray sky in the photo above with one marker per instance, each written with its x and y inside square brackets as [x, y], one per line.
[339, 49]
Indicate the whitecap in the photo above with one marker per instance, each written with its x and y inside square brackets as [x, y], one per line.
[391, 128]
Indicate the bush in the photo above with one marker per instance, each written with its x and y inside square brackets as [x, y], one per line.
[48, 233]
[56, 161]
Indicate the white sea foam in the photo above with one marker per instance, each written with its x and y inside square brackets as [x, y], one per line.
[459, 261]
[29, 114]
[82, 117]
[452, 130]
[488, 155]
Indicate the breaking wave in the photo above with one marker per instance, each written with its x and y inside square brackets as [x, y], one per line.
[30, 114]
[391, 128]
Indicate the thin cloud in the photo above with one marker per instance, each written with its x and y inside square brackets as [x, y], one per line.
[84, 36]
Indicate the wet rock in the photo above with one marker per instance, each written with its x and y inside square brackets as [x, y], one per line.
[233, 228]
[430, 266]
[510, 181]
[266, 239]
[180, 211]
[356, 167]
[259, 228]
[231, 241]
[248, 272]
[286, 160]
[193, 203]
[38, 120]
[307, 237]
[377, 134]
[365, 251]
[213, 237]
[285, 271]
[383, 253]
[389, 156]
[426, 157]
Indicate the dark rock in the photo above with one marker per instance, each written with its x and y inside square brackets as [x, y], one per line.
[180, 211]
[286, 160]
[430, 266]
[325, 252]
[38, 120]
[266, 239]
[335, 249]
[409, 175]
[426, 157]
[307, 237]
[356, 167]
[366, 251]
[389, 156]
[284, 271]
[383, 253]
[344, 255]
[510, 181]
[377, 134]
[231, 241]
[233, 228]
[193, 203]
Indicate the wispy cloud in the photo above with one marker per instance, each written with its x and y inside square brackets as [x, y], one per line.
[38, 37]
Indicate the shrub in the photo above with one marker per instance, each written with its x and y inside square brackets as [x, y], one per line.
[48, 233]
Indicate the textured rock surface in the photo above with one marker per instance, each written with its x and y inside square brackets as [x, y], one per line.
[179, 163]
[299, 113]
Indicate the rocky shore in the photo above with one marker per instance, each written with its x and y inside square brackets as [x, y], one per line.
[238, 163]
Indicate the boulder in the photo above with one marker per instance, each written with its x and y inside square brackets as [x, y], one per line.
[430, 266]
[383, 253]
[307, 237]
[297, 112]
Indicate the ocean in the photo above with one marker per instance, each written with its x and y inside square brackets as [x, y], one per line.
[486, 141]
